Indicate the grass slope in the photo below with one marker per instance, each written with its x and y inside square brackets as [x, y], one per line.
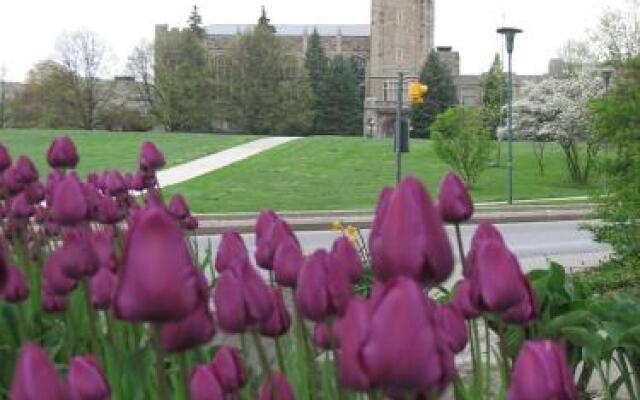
[321, 173]
[116, 150]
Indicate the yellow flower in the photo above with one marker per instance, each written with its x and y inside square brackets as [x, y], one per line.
[352, 233]
[337, 226]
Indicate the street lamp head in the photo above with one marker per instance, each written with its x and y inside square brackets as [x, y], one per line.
[607, 73]
[510, 34]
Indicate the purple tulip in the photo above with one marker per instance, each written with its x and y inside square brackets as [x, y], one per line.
[195, 330]
[11, 181]
[102, 241]
[277, 388]
[408, 237]
[21, 208]
[451, 321]
[488, 292]
[203, 385]
[158, 281]
[541, 372]
[5, 158]
[190, 223]
[86, 379]
[4, 266]
[271, 231]
[109, 211]
[345, 255]
[463, 301]
[229, 369]
[394, 341]
[94, 179]
[35, 192]
[137, 182]
[51, 303]
[232, 252]
[287, 262]
[16, 290]
[56, 282]
[102, 287]
[526, 310]
[485, 232]
[178, 207]
[68, 202]
[151, 159]
[279, 322]
[323, 289]
[35, 377]
[114, 183]
[78, 258]
[62, 153]
[242, 299]
[27, 172]
[454, 201]
[323, 338]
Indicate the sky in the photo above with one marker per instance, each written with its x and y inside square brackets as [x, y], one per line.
[29, 28]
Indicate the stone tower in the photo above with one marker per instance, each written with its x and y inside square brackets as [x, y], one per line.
[402, 34]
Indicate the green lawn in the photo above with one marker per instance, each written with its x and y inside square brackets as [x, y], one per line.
[108, 150]
[321, 173]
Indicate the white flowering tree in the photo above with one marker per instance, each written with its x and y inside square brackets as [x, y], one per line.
[557, 110]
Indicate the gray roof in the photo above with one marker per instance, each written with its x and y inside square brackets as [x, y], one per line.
[295, 30]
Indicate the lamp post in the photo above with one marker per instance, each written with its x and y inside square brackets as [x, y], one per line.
[510, 34]
[607, 73]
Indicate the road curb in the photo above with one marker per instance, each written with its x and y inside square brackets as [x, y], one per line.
[213, 224]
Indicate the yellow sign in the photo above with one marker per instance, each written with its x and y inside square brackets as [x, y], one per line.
[417, 92]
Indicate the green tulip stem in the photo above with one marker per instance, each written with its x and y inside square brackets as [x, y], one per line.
[503, 348]
[332, 341]
[92, 318]
[264, 362]
[184, 374]
[626, 373]
[474, 359]
[161, 369]
[487, 366]
[307, 348]
[279, 355]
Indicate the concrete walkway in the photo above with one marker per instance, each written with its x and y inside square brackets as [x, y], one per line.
[204, 165]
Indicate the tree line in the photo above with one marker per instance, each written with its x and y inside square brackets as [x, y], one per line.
[179, 84]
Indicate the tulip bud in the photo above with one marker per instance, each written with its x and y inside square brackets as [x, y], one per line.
[21, 209]
[232, 252]
[346, 256]
[195, 330]
[271, 231]
[4, 266]
[276, 388]
[526, 310]
[485, 232]
[51, 303]
[158, 282]
[11, 181]
[27, 172]
[203, 385]
[102, 242]
[102, 286]
[178, 207]
[57, 283]
[5, 158]
[279, 322]
[137, 182]
[495, 260]
[451, 321]
[62, 153]
[16, 289]
[454, 201]
[242, 299]
[35, 377]
[35, 192]
[462, 300]
[323, 288]
[86, 379]
[542, 372]
[325, 339]
[78, 258]
[229, 369]
[190, 223]
[287, 262]
[151, 159]
[68, 202]
[109, 211]
[409, 238]
[114, 183]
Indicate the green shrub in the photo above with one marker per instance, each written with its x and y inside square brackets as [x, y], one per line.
[462, 141]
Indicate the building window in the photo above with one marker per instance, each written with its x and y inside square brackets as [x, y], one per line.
[390, 91]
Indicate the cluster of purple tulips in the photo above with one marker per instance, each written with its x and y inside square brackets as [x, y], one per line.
[113, 238]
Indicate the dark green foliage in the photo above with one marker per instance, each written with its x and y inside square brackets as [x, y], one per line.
[493, 96]
[317, 63]
[462, 141]
[617, 119]
[441, 96]
[339, 106]
[269, 93]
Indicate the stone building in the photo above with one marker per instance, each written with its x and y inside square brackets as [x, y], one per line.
[398, 39]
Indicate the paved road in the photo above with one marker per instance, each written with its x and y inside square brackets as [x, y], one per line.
[204, 165]
[533, 243]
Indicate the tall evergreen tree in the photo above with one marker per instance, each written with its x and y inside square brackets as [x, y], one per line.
[316, 62]
[270, 92]
[441, 95]
[195, 22]
[493, 96]
[265, 22]
[342, 105]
